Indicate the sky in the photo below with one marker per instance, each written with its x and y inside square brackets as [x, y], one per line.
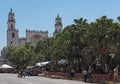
[41, 14]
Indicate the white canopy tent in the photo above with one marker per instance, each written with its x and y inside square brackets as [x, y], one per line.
[63, 61]
[41, 63]
[6, 66]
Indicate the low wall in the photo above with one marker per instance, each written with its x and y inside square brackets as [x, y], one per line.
[100, 77]
[93, 78]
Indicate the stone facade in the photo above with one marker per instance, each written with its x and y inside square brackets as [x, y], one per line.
[58, 26]
[32, 36]
[22, 41]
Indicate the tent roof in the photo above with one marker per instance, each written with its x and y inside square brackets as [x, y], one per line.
[63, 61]
[5, 66]
[41, 63]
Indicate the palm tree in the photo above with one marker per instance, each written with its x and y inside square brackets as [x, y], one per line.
[103, 25]
[118, 18]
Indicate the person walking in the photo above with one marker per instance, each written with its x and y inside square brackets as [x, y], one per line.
[24, 73]
[116, 74]
[72, 71]
[89, 71]
[85, 75]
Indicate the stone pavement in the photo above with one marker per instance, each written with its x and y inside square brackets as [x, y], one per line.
[6, 78]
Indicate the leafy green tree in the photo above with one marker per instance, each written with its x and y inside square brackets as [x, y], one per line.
[20, 57]
[39, 51]
[10, 50]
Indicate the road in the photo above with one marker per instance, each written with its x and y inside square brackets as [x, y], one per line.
[12, 79]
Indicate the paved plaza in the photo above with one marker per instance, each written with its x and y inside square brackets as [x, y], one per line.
[13, 79]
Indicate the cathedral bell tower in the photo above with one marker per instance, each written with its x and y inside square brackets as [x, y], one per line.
[58, 25]
[12, 32]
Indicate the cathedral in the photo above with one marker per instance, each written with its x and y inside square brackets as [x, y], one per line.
[32, 36]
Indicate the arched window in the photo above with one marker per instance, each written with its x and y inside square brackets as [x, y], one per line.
[13, 35]
[11, 26]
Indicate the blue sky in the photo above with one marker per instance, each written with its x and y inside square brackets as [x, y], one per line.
[40, 14]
